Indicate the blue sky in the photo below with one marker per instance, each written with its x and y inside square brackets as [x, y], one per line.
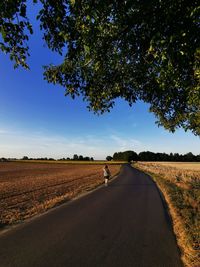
[37, 120]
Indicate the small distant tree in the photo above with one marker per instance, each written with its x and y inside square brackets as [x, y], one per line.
[109, 158]
[3, 159]
[118, 156]
[189, 157]
[75, 157]
[80, 157]
[92, 159]
[25, 158]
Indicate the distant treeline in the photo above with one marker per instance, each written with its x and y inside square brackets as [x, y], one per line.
[151, 156]
[75, 157]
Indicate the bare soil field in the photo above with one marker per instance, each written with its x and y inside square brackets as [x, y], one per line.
[180, 184]
[27, 189]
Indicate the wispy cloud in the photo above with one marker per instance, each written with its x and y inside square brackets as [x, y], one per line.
[126, 143]
[38, 144]
[15, 143]
[3, 131]
[19, 144]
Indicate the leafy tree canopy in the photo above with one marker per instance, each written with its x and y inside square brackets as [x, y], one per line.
[109, 158]
[136, 50]
[128, 155]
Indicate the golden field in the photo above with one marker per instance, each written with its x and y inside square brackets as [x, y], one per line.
[30, 188]
[193, 166]
[180, 185]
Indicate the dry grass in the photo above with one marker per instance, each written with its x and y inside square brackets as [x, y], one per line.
[180, 185]
[27, 189]
[193, 166]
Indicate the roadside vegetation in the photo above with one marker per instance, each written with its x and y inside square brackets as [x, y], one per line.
[30, 188]
[180, 184]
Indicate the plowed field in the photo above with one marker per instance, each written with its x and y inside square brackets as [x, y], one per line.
[27, 189]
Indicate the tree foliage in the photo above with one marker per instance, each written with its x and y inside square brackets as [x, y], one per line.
[152, 156]
[125, 156]
[14, 29]
[109, 158]
[136, 50]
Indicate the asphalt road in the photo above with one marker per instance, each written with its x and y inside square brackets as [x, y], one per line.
[122, 225]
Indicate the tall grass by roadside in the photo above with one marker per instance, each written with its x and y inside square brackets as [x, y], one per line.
[181, 189]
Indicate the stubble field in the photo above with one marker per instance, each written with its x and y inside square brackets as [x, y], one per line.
[192, 166]
[27, 189]
[180, 184]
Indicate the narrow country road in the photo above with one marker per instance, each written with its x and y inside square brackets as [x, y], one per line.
[122, 225]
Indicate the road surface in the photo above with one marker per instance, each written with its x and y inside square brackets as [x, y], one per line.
[122, 225]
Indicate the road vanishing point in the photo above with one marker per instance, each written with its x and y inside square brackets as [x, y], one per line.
[123, 225]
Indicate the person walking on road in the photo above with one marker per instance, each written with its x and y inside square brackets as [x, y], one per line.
[106, 173]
